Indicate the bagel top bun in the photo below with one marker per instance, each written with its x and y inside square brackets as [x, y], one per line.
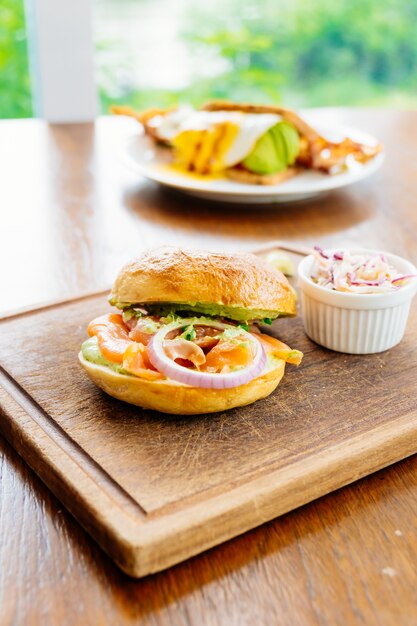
[236, 286]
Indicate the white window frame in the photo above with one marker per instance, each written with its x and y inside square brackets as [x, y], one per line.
[61, 58]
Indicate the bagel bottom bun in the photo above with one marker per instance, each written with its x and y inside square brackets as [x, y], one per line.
[168, 396]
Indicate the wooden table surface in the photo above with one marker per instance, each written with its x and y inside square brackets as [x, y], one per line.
[71, 213]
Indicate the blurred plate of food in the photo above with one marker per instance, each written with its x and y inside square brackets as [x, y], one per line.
[247, 154]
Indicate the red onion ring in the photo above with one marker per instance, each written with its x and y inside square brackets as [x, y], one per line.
[205, 380]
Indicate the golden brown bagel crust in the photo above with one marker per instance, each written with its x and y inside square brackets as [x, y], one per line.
[169, 397]
[170, 274]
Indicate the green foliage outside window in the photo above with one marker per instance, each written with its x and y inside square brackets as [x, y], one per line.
[15, 93]
[301, 52]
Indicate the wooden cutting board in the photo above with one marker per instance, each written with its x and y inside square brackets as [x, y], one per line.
[153, 489]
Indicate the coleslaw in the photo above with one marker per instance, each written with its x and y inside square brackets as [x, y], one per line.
[356, 273]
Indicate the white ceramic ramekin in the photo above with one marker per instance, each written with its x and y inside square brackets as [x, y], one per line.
[351, 322]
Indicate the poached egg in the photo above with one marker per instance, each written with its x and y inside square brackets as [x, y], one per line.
[210, 141]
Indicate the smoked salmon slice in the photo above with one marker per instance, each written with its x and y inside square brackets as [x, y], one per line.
[184, 351]
[112, 336]
[228, 354]
[136, 361]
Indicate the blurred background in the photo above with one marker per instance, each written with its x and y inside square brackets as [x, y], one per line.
[299, 52]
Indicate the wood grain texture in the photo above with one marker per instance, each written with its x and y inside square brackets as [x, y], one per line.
[76, 219]
[154, 489]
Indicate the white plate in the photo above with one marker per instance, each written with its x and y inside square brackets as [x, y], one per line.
[151, 161]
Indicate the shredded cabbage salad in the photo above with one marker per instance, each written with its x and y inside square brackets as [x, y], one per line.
[356, 273]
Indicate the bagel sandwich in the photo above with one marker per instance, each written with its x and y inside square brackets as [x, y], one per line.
[187, 332]
[254, 144]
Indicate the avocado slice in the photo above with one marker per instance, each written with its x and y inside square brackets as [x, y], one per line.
[280, 145]
[292, 141]
[264, 158]
[275, 150]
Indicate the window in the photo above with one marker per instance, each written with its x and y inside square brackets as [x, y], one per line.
[160, 52]
[301, 52]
